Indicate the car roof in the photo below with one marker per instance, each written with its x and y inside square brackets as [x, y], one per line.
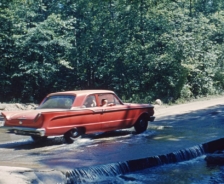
[82, 92]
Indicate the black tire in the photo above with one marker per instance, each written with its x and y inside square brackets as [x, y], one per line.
[38, 139]
[71, 135]
[141, 125]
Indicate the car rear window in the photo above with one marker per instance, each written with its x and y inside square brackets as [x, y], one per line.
[57, 102]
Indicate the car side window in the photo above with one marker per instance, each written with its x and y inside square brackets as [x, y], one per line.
[116, 101]
[108, 100]
[90, 101]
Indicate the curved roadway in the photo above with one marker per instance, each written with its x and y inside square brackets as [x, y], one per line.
[176, 127]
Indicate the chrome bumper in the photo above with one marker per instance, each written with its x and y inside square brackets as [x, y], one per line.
[25, 130]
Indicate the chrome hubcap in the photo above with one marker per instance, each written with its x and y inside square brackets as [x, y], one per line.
[74, 133]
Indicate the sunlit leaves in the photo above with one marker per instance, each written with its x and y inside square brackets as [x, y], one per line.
[141, 49]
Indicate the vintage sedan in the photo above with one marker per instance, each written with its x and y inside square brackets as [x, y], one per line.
[73, 113]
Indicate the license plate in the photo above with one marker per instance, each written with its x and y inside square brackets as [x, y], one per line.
[2, 123]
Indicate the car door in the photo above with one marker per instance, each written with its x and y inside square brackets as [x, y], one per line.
[115, 115]
[85, 115]
[91, 117]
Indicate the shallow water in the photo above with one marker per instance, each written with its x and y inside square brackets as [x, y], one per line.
[189, 172]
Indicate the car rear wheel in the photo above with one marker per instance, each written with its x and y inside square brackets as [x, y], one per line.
[71, 135]
[38, 139]
[141, 125]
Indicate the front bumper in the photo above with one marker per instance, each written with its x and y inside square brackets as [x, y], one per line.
[25, 130]
[151, 118]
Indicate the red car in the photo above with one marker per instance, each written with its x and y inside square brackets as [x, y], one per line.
[73, 113]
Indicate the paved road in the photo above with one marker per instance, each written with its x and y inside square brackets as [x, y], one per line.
[175, 128]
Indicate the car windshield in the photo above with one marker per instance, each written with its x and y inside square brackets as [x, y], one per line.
[57, 102]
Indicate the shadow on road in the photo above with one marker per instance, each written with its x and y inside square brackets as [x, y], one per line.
[28, 143]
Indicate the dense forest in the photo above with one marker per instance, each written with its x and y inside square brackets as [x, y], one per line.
[141, 49]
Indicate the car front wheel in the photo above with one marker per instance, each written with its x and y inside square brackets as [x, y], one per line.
[141, 125]
[71, 135]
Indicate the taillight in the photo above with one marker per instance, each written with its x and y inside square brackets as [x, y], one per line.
[38, 118]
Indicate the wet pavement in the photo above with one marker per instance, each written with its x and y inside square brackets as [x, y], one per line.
[172, 130]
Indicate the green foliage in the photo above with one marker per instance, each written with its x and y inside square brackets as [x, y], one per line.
[141, 49]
